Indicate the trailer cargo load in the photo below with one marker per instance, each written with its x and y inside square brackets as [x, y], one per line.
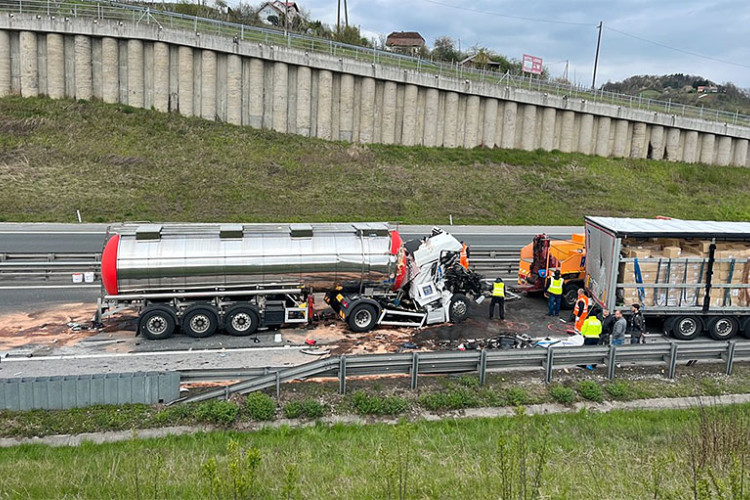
[693, 274]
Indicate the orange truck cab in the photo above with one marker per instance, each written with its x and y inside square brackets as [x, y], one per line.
[544, 255]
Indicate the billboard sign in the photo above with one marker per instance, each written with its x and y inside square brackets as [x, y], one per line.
[532, 64]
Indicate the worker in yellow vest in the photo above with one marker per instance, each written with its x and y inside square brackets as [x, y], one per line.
[498, 297]
[463, 258]
[591, 330]
[554, 292]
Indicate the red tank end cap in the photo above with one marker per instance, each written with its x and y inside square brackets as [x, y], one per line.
[109, 265]
[396, 242]
[397, 245]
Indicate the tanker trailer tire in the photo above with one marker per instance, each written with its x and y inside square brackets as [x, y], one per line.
[459, 308]
[362, 318]
[686, 328]
[723, 327]
[746, 328]
[241, 321]
[200, 321]
[157, 323]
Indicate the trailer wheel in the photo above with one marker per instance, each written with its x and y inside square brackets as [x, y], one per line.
[362, 318]
[459, 308]
[746, 328]
[723, 328]
[157, 323]
[200, 322]
[686, 328]
[569, 296]
[241, 321]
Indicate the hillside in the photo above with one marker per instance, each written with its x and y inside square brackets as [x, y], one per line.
[114, 163]
[684, 89]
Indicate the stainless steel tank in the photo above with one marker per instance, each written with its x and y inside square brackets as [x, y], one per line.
[166, 257]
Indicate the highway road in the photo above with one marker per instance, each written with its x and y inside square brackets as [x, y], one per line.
[89, 238]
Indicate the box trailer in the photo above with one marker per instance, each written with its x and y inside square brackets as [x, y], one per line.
[692, 274]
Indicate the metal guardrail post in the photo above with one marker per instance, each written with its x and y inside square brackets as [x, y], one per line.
[672, 360]
[482, 368]
[342, 374]
[612, 362]
[414, 370]
[730, 356]
[548, 367]
[278, 384]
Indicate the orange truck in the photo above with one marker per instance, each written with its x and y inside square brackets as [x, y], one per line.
[543, 256]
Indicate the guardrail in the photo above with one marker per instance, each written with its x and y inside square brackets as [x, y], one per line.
[49, 267]
[268, 36]
[54, 268]
[482, 362]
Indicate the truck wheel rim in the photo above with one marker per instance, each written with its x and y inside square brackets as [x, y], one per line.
[200, 323]
[156, 325]
[688, 327]
[362, 318]
[723, 327]
[241, 322]
[459, 308]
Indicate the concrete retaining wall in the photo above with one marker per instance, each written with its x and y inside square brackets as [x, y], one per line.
[316, 95]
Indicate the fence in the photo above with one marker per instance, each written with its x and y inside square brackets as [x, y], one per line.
[482, 362]
[148, 15]
[57, 393]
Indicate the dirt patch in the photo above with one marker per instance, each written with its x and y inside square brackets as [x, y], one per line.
[66, 325]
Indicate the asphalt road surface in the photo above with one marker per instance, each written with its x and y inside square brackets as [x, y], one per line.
[89, 238]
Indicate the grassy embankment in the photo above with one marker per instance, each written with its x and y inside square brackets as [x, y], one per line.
[702, 453]
[118, 163]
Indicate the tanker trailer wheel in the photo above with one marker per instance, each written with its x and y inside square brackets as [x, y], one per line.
[723, 328]
[362, 318]
[200, 321]
[686, 328]
[241, 321]
[459, 308]
[157, 323]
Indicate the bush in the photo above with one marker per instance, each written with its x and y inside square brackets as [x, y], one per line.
[588, 389]
[516, 396]
[312, 409]
[216, 412]
[293, 409]
[376, 405]
[455, 399]
[260, 406]
[618, 390]
[562, 394]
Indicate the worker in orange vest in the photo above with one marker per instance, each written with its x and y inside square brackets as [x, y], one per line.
[581, 310]
[464, 256]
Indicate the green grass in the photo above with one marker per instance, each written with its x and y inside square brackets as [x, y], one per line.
[580, 455]
[117, 163]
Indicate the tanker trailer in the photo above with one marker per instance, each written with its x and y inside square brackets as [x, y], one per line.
[202, 278]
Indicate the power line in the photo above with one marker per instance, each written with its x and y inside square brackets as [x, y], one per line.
[676, 49]
[508, 16]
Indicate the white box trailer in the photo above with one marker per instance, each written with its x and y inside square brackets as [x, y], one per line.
[692, 274]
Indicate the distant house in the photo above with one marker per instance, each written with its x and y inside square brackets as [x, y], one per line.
[480, 61]
[406, 42]
[707, 89]
[274, 12]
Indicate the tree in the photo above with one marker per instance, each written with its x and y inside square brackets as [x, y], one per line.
[444, 49]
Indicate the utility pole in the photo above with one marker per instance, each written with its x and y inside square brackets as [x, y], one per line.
[596, 59]
[338, 16]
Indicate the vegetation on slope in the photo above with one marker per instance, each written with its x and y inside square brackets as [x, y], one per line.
[114, 163]
[701, 453]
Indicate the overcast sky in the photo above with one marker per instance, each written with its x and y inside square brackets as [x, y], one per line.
[560, 31]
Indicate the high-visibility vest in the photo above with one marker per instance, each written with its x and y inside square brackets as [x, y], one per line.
[592, 327]
[498, 289]
[464, 256]
[555, 286]
[581, 311]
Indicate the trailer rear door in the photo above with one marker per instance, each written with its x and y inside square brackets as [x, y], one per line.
[602, 257]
